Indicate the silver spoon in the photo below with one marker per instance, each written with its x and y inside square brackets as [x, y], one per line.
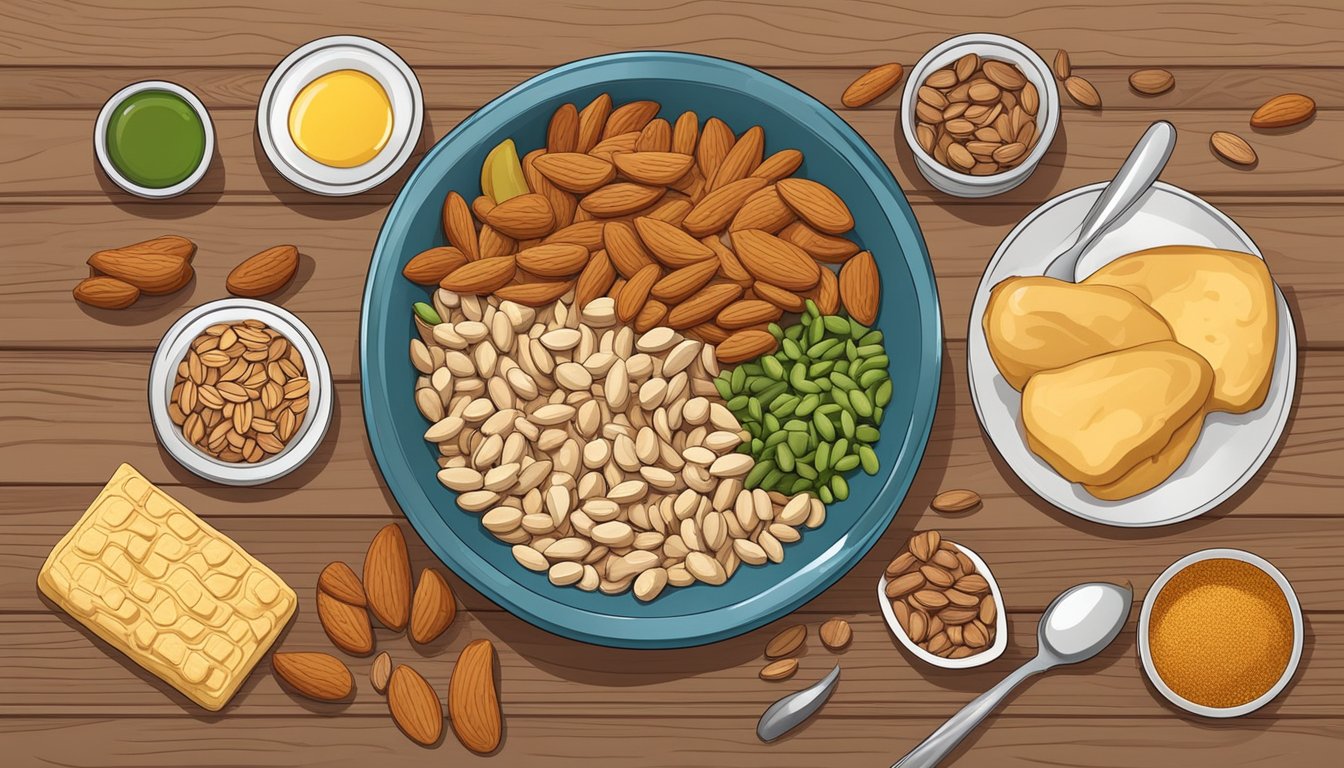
[1131, 182]
[789, 712]
[1075, 627]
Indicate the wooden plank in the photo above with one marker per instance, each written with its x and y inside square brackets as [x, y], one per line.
[47, 245]
[46, 156]
[1197, 87]
[846, 32]
[1033, 559]
[57, 668]
[65, 429]
[655, 740]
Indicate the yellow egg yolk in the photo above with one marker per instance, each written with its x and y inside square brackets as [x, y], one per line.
[342, 119]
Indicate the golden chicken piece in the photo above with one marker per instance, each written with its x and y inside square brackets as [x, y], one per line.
[1035, 324]
[1150, 473]
[1218, 303]
[1097, 419]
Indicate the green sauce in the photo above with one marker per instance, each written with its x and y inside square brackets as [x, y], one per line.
[155, 139]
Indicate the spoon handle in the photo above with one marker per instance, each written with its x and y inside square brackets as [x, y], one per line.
[937, 746]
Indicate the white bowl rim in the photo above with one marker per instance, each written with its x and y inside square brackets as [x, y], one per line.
[1050, 105]
[110, 168]
[984, 657]
[316, 421]
[382, 174]
[1220, 553]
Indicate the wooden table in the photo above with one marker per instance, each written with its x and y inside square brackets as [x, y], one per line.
[73, 406]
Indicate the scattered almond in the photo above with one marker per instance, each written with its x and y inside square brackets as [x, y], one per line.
[473, 703]
[955, 501]
[1152, 81]
[432, 608]
[387, 577]
[106, 292]
[339, 581]
[836, 634]
[1232, 148]
[1062, 67]
[1284, 110]
[319, 676]
[787, 642]
[264, 273]
[414, 706]
[380, 672]
[782, 669]
[871, 85]
[1083, 92]
[347, 626]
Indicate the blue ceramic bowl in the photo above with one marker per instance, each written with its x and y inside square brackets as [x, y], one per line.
[836, 156]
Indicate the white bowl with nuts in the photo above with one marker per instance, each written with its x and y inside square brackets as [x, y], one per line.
[979, 112]
[240, 392]
[942, 602]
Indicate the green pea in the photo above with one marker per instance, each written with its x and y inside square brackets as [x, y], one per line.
[725, 391]
[815, 333]
[739, 378]
[836, 324]
[856, 331]
[754, 408]
[795, 332]
[870, 377]
[784, 457]
[822, 459]
[426, 313]
[775, 331]
[800, 485]
[771, 479]
[871, 337]
[842, 381]
[821, 347]
[758, 473]
[869, 350]
[824, 427]
[867, 434]
[771, 422]
[795, 425]
[824, 494]
[839, 488]
[847, 424]
[834, 353]
[790, 349]
[883, 394]
[805, 468]
[797, 443]
[868, 457]
[862, 405]
[772, 367]
[807, 405]
[810, 309]
[847, 464]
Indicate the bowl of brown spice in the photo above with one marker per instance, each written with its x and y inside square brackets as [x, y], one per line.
[1220, 634]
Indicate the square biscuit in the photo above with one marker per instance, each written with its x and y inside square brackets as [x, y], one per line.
[165, 588]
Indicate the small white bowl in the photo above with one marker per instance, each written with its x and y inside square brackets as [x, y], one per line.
[1145, 652]
[163, 372]
[105, 159]
[310, 62]
[994, 651]
[986, 46]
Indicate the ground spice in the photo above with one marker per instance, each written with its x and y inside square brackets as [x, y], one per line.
[1221, 633]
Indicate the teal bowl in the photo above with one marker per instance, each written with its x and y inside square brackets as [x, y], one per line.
[836, 156]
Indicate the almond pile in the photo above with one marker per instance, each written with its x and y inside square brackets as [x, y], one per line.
[686, 226]
[783, 648]
[1080, 89]
[240, 393]
[941, 602]
[344, 605]
[977, 116]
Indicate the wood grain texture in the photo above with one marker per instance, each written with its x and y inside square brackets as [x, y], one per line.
[47, 245]
[513, 32]
[56, 668]
[448, 87]
[47, 157]
[653, 739]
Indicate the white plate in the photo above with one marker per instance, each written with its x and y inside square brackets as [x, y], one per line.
[1230, 448]
[173, 348]
[310, 62]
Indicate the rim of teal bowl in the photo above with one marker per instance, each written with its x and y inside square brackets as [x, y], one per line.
[795, 588]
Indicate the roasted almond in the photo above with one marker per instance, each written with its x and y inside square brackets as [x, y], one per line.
[170, 245]
[387, 577]
[430, 266]
[627, 252]
[339, 581]
[902, 563]
[703, 306]
[774, 260]
[679, 284]
[764, 210]
[380, 672]
[787, 642]
[746, 313]
[414, 706]
[523, 217]
[672, 211]
[655, 136]
[346, 625]
[871, 85]
[685, 133]
[729, 265]
[745, 345]
[562, 132]
[959, 500]
[458, 226]
[432, 608]
[585, 233]
[1083, 92]
[713, 212]
[1284, 110]
[494, 243]
[595, 279]
[828, 248]
[264, 273]
[669, 244]
[535, 294]
[1232, 148]
[782, 669]
[106, 292]
[708, 333]
[575, 172]
[780, 165]
[473, 703]
[611, 146]
[716, 139]
[741, 160]
[636, 291]
[924, 545]
[817, 205]
[620, 199]
[835, 634]
[826, 294]
[592, 119]
[563, 204]
[651, 316]
[153, 272]
[1062, 68]
[861, 288]
[654, 168]
[628, 117]
[785, 299]
[553, 260]
[481, 276]
[1151, 81]
[319, 676]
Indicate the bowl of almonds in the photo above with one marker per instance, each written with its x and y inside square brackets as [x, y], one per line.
[941, 601]
[979, 112]
[240, 392]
